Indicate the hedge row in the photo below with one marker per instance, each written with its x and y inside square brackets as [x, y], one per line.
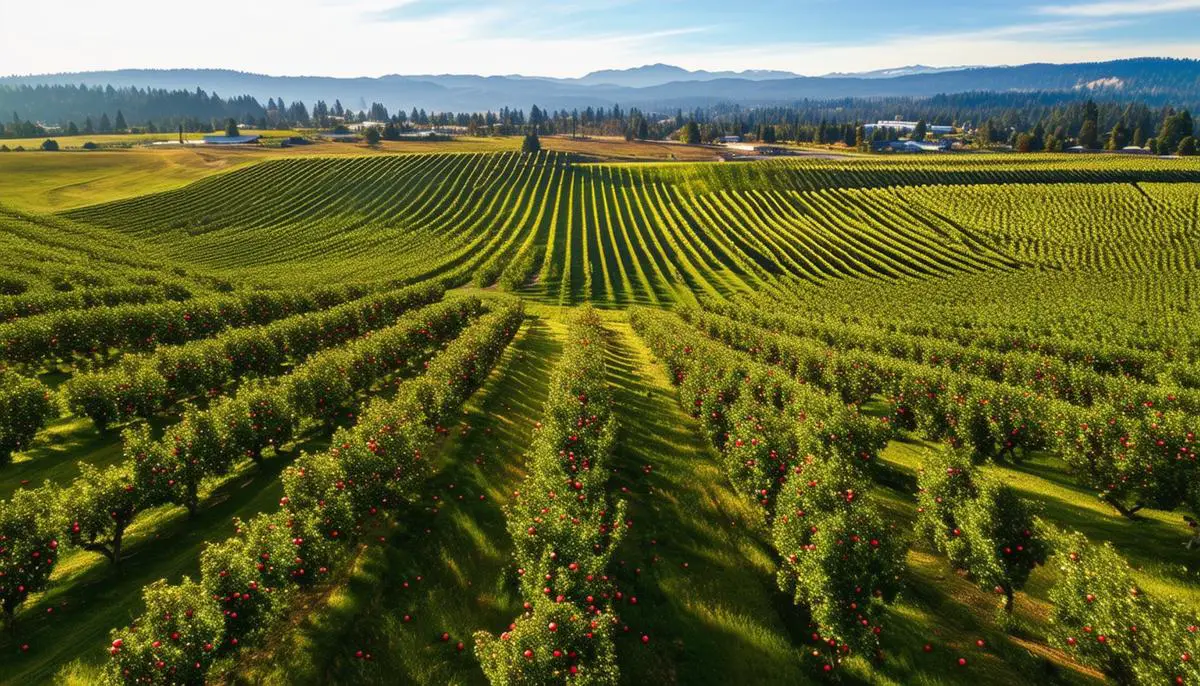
[95, 510]
[1076, 382]
[41, 302]
[805, 457]
[564, 531]
[25, 407]
[1104, 620]
[140, 386]
[1132, 462]
[93, 332]
[247, 580]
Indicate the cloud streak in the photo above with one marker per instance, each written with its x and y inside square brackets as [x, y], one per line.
[1121, 8]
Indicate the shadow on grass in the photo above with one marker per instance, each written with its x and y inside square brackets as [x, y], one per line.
[696, 558]
[447, 566]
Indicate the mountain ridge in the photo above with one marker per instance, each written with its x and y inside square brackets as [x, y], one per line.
[1157, 80]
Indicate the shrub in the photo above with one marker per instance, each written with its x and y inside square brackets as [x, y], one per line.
[173, 642]
[28, 546]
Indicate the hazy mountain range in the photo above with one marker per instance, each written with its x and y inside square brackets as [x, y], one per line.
[665, 87]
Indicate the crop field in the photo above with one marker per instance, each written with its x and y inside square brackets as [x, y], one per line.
[455, 414]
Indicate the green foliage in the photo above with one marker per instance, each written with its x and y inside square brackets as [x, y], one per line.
[98, 507]
[173, 642]
[28, 546]
[531, 145]
[552, 643]
[804, 457]
[25, 407]
[1103, 619]
[981, 526]
[565, 529]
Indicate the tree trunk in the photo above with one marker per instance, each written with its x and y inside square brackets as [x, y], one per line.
[1127, 512]
[99, 548]
[1008, 599]
[192, 500]
[116, 544]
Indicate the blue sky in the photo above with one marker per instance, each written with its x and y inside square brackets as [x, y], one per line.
[572, 37]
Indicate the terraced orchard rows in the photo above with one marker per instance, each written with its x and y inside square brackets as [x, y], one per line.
[564, 232]
[516, 419]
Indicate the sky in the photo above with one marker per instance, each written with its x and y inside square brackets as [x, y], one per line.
[568, 38]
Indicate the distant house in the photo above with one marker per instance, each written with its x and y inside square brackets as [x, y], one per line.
[731, 139]
[219, 139]
[1134, 150]
[1077, 149]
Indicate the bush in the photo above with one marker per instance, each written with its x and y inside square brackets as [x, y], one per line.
[1102, 619]
[28, 546]
[173, 642]
[26, 405]
[552, 643]
[982, 526]
[50, 145]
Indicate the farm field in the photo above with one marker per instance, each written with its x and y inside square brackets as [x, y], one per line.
[453, 413]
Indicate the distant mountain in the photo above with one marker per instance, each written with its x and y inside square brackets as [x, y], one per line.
[897, 71]
[665, 88]
[659, 74]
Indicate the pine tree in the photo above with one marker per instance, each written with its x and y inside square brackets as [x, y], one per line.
[920, 131]
[532, 144]
[120, 124]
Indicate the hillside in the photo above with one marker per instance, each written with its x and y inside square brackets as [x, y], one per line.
[484, 417]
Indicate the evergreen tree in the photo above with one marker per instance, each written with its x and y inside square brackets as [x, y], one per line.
[1139, 137]
[532, 144]
[105, 124]
[1088, 136]
[690, 133]
[643, 130]
[72, 129]
[373, 136]
[1187, 147]
[231, 128]
[920, 131]
[120, 124]
[1118, 138]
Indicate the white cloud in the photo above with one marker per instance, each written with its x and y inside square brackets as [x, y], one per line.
[1121, 8]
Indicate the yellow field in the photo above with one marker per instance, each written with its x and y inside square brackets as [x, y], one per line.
[37, 181]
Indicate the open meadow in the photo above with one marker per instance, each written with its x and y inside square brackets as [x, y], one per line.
[611, 412]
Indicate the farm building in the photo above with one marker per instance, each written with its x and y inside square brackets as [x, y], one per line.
[907, 126]
[220, 139]
[730, 139]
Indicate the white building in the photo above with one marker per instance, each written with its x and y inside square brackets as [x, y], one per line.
[906, 126]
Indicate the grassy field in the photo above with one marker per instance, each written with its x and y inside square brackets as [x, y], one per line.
[870, 263]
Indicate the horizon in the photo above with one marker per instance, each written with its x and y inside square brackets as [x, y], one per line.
[727, 73]
[572, 39]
